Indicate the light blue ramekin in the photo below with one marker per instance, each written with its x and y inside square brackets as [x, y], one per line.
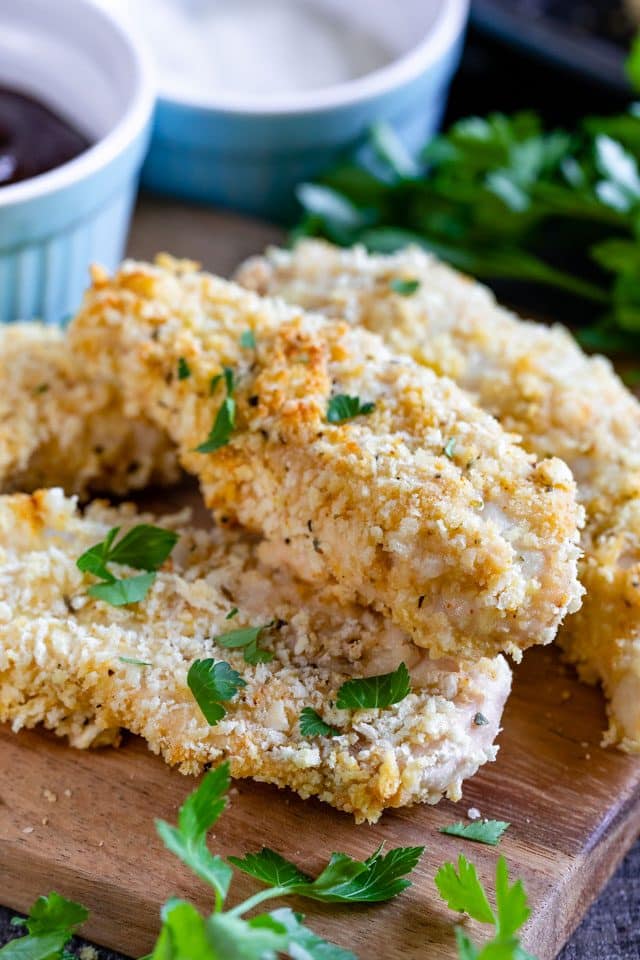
[249, 154]
[74, 56]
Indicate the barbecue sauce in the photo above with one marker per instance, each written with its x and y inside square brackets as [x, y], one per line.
[33, 139]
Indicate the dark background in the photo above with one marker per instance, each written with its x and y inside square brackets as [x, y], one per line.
[495, 75]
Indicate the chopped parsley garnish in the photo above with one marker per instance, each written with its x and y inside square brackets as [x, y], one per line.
[136, 663]
[144, 547]
[343, 880]
[449, 448]
[481, 831]
[184, 370]
[41, 388]
[462, 891]
[248, 340]
[343, 407]
[247, 639]
[480, 720]
[213, 683]
[405, 288]
[366, 693]
[232, 613]
[225, 420]
[312, 725]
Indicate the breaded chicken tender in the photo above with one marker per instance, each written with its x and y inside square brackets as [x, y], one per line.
[66, 661]
[540, 385]
[58, 427]
[423, 508]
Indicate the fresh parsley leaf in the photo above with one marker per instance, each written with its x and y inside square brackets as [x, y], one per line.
[248, 340]
[343, 880]
[343, 407]
[366, 693]
[119, 593]
[393, 152]
[632, 64]
[449, 448]
[406, 288]
[482, 831]
[144, 547]
[184, 935]
[95, 559]
[247, 638]
[212, 683]
[136, 663]
[462, 890]
[309, 945]
[511, 902]
[55, 913]
[184, 370]
[222, 428]
[312, 725]
[197, 815]
[52, 921]
[271, 868]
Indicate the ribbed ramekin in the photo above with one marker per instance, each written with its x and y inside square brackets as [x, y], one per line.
[74, 56]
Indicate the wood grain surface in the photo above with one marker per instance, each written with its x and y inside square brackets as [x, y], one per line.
[82, 822]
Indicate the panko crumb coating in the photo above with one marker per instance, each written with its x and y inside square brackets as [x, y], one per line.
[538, 382]
[472, 550]
[61, 666]
[59, 427]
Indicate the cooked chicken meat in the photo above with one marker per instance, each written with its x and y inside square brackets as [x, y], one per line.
[420, 506]
[540, 385]
[58, 427]
[66, 662]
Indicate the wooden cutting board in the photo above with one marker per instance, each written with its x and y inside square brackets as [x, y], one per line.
[82, 823]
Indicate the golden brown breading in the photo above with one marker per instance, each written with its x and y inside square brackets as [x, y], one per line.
[540, 385]
[61, 665]
[57, 427]
[471, 550]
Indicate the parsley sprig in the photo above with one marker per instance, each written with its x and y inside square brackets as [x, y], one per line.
[144, 547]
[462, 891]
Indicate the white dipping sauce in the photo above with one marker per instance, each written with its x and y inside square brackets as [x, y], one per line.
[258, 48]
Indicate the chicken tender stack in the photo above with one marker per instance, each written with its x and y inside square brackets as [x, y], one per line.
[58, 427]
[85, 669]
[424, 508]
[540, 385]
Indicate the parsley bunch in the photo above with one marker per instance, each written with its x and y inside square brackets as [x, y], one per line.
[231, 932]
[501, 198]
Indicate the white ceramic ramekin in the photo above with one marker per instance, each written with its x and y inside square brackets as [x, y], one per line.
[248, 153]
[75, 57]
